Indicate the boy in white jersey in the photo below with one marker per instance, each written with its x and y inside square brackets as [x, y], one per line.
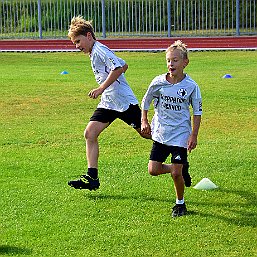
[173, 93]
[117, 98]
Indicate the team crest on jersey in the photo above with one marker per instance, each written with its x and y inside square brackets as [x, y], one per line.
[182, 93]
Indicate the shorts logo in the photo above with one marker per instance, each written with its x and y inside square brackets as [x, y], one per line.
[178, 158]
[182, 93]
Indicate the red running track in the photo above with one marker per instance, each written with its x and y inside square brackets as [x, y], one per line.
[136, 44]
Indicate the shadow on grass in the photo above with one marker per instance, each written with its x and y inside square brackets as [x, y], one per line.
[13, 250]
[240, 214]
[143, 198]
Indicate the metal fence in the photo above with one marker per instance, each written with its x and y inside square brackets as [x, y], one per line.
[123, 18]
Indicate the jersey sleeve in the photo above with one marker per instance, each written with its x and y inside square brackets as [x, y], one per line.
[150, 95]
[121, 61]
[112, 61]
[196, 101]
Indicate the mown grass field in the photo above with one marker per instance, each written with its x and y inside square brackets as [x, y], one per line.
[43, 116]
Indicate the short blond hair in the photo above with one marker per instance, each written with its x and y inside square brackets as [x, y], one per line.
[180, 46]
[79, 26]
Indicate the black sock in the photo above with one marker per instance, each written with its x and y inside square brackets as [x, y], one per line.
[93, 173]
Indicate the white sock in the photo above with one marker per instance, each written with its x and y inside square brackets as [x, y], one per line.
[180, 201]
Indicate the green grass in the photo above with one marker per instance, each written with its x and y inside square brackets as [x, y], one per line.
[43, 116]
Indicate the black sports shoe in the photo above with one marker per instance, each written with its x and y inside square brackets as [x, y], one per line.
[179, 210]
[186, 175]
[85, 182]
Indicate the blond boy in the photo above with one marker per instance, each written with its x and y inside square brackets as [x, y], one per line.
[117, 98]
[173, 93]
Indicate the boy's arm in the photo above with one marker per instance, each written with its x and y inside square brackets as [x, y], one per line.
[112, 77]
[145, 126]
[125, 67]
[145, 105]
[192, 141]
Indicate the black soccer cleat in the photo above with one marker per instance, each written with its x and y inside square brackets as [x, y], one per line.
[186, 175]
[179, 210]
[85, 182]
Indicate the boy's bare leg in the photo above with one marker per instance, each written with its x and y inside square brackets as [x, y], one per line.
[178, 180]
[157, 168]
[90, 180]
[92, 131]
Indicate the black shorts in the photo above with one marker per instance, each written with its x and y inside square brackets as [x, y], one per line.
[160, 152]
[132, 116]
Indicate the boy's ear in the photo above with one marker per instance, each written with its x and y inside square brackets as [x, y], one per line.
[89, 35]
[186, 62]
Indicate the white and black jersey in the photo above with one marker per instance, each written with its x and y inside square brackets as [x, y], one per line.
[118, 96]
[171, 124]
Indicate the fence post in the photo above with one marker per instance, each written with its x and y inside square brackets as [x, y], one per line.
[237, 17]
[103, 19]
[39, 19]
[169, 17]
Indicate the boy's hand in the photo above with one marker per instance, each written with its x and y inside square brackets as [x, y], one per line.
[145, 128]
[192, 142]
[94, 93]
[111, 78]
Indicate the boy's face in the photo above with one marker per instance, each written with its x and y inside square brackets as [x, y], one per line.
[175, 63]
[83, 43]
